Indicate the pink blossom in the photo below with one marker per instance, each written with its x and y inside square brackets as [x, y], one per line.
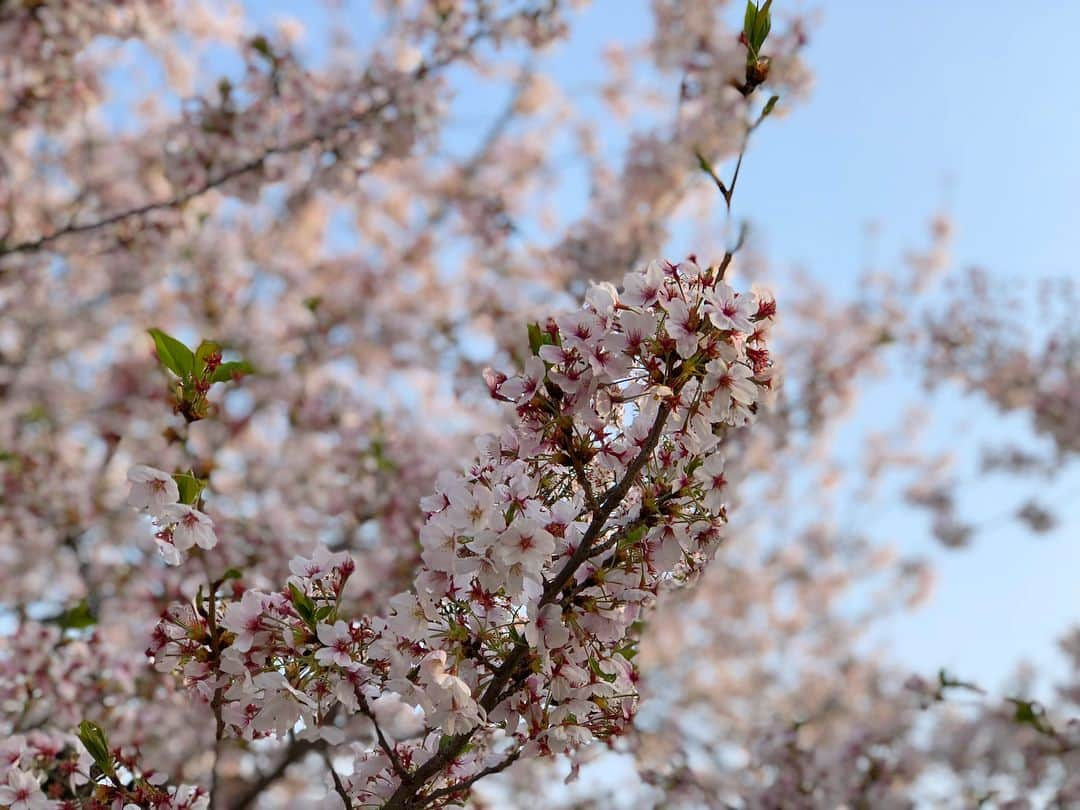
[679, 325]
[728, 310]
[547, 631]
[189, 526]
[151, 489]
[338, 643]
[22, 792]
[643, 289]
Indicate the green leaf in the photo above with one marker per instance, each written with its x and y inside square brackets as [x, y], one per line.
[1031, 713]
[769, 105]
[305, 608]
[232, 573]
[261, 46]
[174, 355]
[200, 602]
[594, 666]
[234, 368]
[97, 745]
[35, 413]
[190, 487]
[757, 22]
[634, 535]
[540, 337]
[382, 461]
[762, 26]
[1025, 711]
[748, 19]
[536, 338]
[445, 741]
[78, 617]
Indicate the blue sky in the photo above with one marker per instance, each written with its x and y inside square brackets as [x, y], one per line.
[969, 106]
[920, 106]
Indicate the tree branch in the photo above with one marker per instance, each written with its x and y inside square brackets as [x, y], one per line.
[465, 784]
[339, 788]
[297, 145]
[296, 751]
[384, 744]
[403, 797]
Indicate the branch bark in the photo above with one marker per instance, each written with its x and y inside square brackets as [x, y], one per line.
[296, 751]
[255, 163]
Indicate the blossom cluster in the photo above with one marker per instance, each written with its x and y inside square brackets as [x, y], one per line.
[538, 562]
[54, 771]
[41, 43]
[321, 218]
[181, 526]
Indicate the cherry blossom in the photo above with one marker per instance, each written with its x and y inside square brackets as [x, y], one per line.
[152, 490]
[337, 640]
[432, 577]
[22, 792]
[189, 526]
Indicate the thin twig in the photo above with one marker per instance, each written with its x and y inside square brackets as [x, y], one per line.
[384, 744]
[215, 703]
[465, 784]
[339, 788]
[730, 254]
[583, 479]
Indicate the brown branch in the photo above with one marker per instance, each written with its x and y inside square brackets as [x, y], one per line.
[339, 788]
[219, 692]
[727, 190]
[583, 479]
[730, 254]
[296, 751]
[465, 784]
[612, 498]
[384, 744]
[297, 145]
[32, 245]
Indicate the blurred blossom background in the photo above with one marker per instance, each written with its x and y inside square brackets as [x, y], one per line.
[962, 111]
[914, 191]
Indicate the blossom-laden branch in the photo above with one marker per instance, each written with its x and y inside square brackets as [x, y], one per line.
[83, 771]
[384, 111]
[518, 637]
